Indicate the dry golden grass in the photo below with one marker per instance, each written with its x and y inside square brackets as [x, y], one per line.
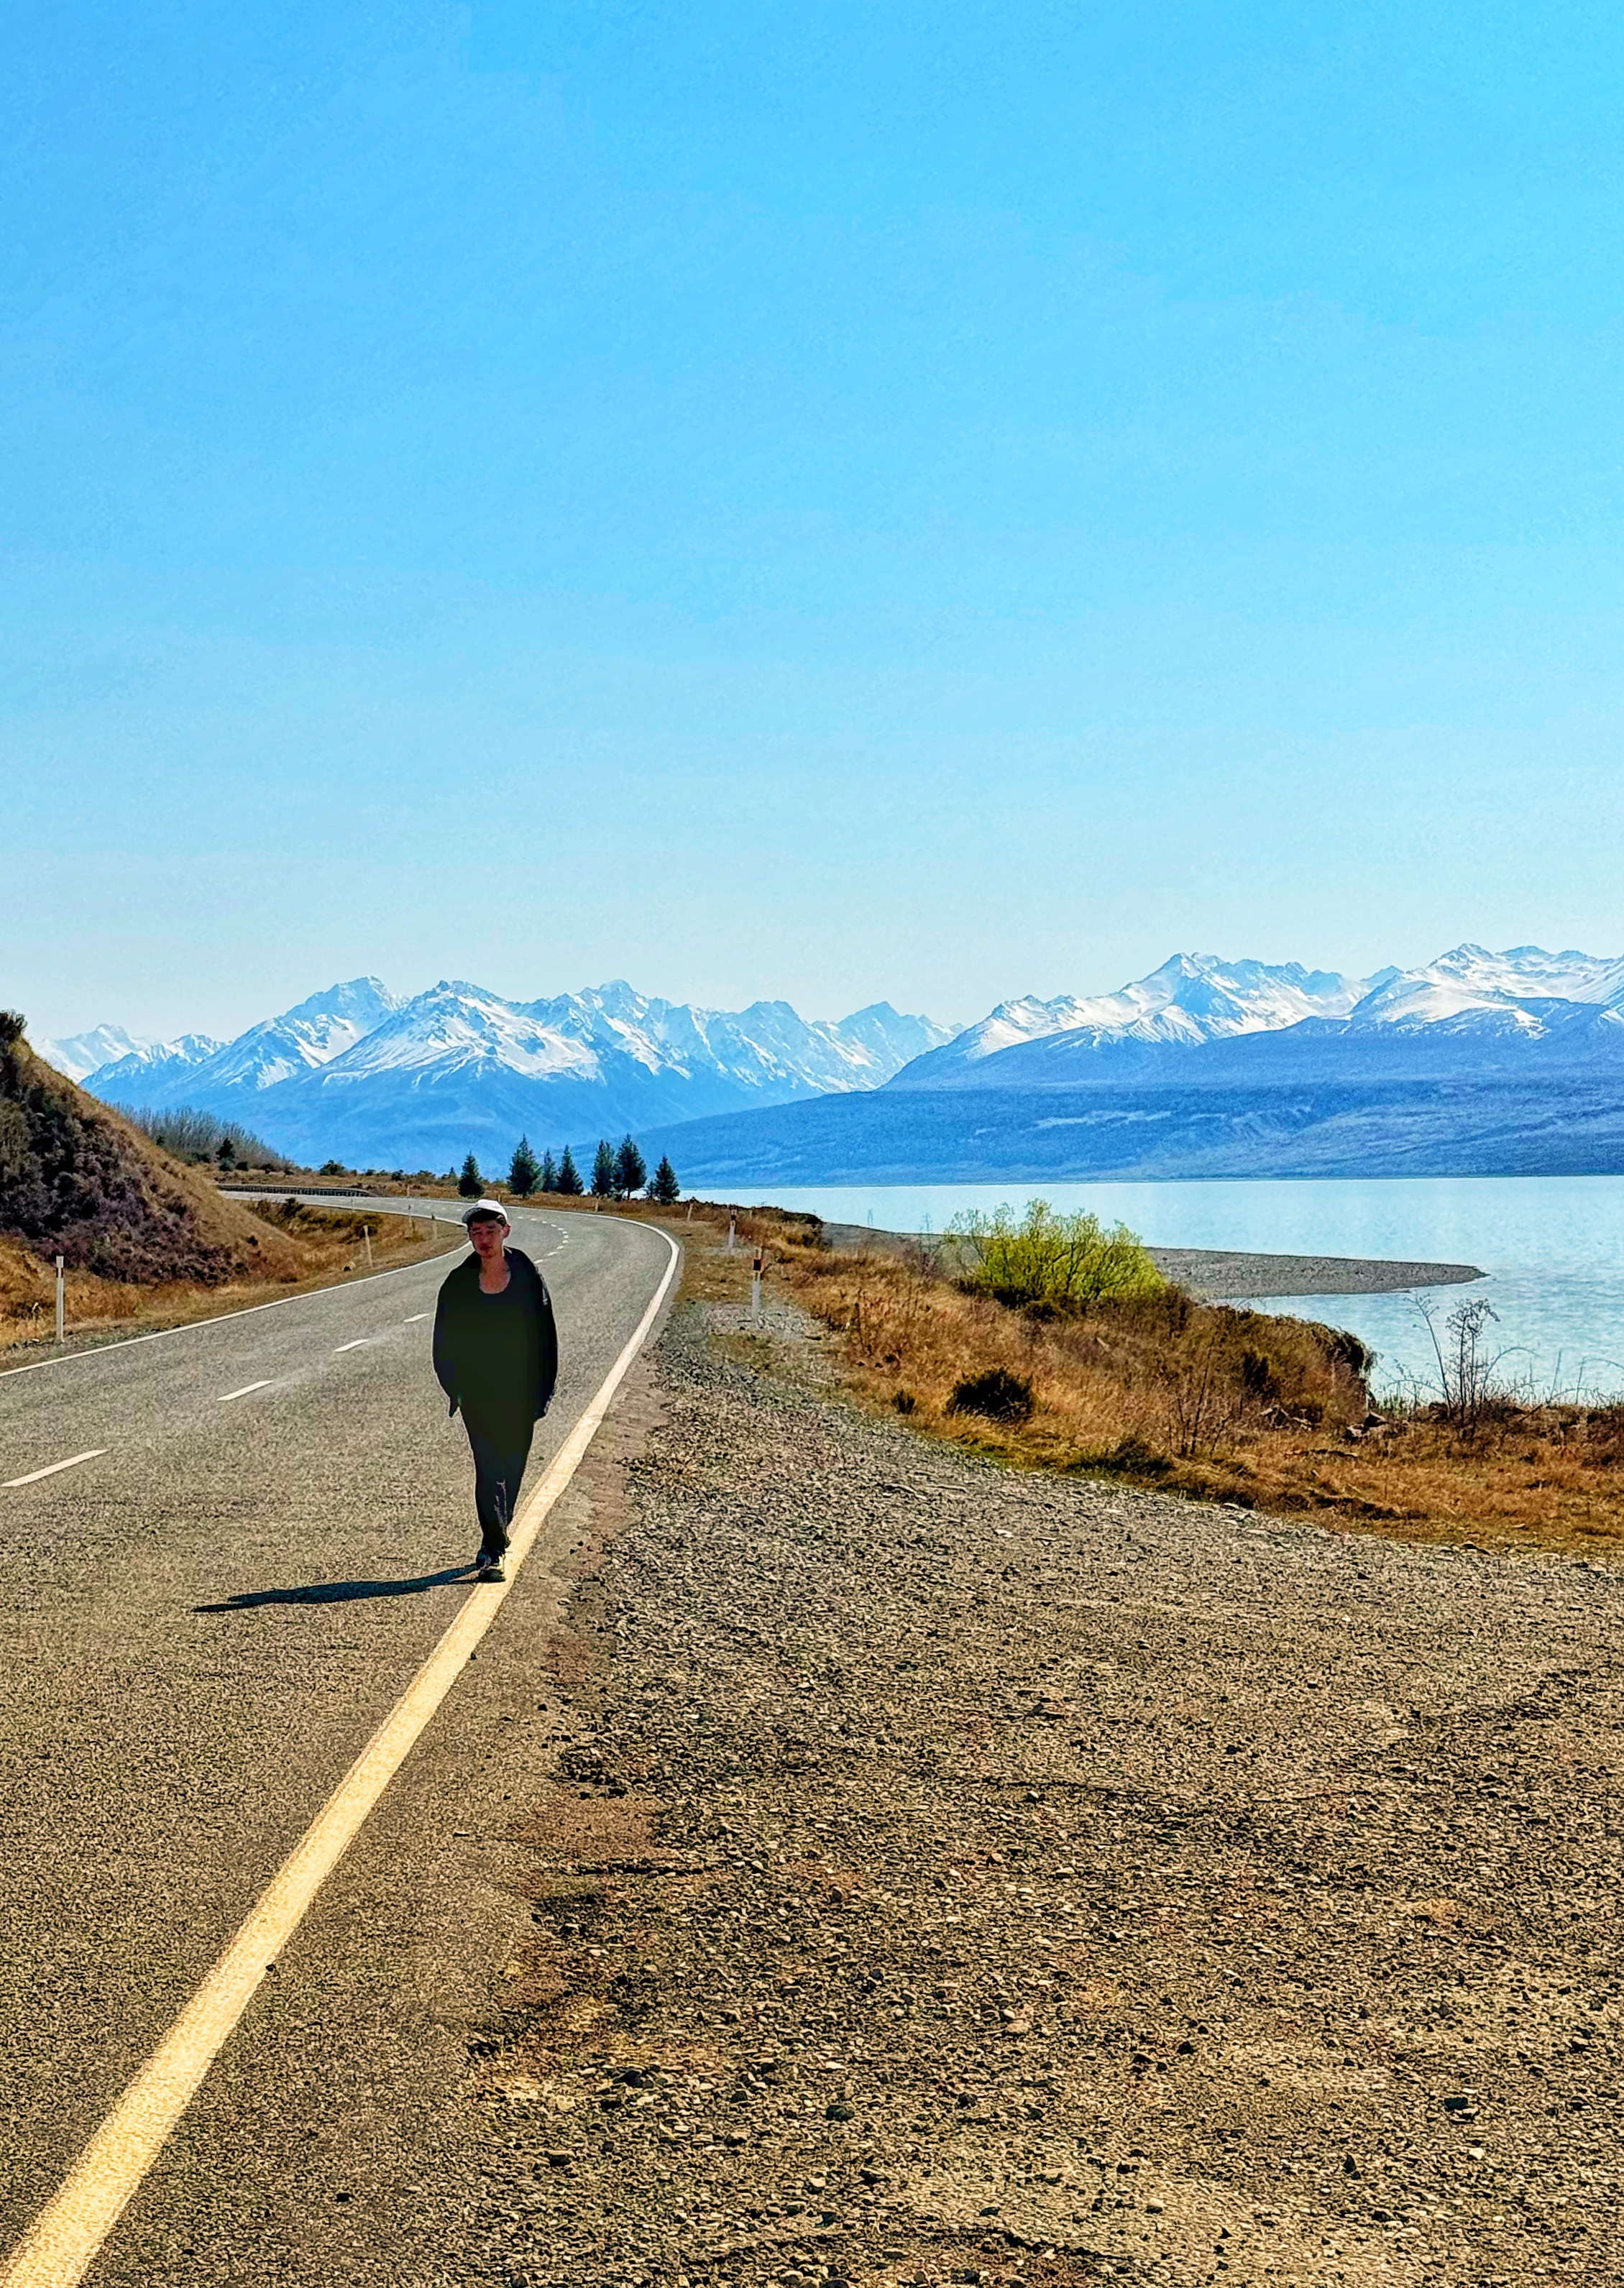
[310, 1249]
[1160, 1394]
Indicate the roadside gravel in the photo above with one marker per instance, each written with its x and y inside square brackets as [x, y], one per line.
[953, 1874]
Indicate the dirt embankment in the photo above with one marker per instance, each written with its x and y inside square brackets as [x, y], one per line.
[962, 1874]
[145, 1239]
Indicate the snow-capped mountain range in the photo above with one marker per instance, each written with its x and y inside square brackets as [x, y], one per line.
[1191, 999]
[358, 1074]
[80, 1054]
[1468, 1004]
[1477, 1063]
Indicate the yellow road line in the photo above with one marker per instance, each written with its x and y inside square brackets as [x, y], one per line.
[59, 2246]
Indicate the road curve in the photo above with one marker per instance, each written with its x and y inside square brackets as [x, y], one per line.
[223, 1556]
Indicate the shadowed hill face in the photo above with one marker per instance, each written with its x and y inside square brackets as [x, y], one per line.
[77, 1181]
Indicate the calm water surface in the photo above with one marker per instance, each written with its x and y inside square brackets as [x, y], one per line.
[1552, 1248]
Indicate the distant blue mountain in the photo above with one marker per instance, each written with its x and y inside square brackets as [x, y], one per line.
[1501, 1125]
[1457, 1069]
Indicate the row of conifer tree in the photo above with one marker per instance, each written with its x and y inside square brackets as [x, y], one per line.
[617, 1173]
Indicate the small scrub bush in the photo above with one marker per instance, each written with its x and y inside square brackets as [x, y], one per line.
[187, 1134]
[1052, 1265]
[1257, 1377]
[996, 1396]
[1134, 1459]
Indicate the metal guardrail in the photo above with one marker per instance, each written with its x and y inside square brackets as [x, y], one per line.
[306, 1192]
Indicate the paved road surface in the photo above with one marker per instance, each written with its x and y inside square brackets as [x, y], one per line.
[204, 1624]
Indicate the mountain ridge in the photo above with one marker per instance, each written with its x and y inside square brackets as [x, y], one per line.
[359, 1073]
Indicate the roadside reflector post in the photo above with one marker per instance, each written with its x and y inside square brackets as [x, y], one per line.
[367, 1235]
[60, 1301]
[732, 1226]
[755, 1288]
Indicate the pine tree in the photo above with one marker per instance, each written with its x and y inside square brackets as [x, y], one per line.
[525, 1173]
[568, 1176]
[631, 1170]
[549, 1173]
[603, 1170]
[665, 1188]
[470, 1183]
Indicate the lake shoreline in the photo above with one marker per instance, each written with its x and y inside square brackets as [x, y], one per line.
[1224, 1274]
[1219, 1275]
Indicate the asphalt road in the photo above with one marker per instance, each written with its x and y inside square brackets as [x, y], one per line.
[204, 1624]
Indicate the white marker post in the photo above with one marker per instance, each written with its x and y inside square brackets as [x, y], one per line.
[367, 1235]
[60, 1336]
[755, 1288]
[731, 1227]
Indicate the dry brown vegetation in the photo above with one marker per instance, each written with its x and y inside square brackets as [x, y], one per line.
[301, 1251]
[1223, 1403]
[148, 1241]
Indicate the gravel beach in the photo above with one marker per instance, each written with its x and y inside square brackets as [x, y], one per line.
[1218, 1274]
[1222, 1276]
[953, 1874]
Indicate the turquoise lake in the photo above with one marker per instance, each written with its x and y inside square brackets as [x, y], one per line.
[1552, 1248]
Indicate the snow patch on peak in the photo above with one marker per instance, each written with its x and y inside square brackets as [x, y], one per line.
[80, 1054]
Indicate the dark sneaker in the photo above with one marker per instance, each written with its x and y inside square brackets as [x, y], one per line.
[493, 1569]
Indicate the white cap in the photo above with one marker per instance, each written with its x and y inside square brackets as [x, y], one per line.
[486, 1208]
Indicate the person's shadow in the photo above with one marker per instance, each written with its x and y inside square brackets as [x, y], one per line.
[337, 1592]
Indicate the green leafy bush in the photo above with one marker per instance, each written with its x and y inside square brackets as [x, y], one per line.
[1052, 1264]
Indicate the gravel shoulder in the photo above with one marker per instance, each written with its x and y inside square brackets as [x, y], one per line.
[948, 1873]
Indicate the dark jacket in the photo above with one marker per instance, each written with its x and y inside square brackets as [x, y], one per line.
[460, 1333]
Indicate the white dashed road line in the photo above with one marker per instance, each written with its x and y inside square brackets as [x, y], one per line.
[359, 1341]
[416, 1316]
[226, 1396]
[50, 1468]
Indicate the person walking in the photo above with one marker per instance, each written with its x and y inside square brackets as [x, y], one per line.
[496, 1356]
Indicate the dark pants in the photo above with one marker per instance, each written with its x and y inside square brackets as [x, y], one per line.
[500, 1451]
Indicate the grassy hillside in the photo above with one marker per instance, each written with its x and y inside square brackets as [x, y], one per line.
[145, 1239]
[79, 1182]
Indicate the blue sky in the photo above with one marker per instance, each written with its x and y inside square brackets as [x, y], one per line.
[930, 502]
